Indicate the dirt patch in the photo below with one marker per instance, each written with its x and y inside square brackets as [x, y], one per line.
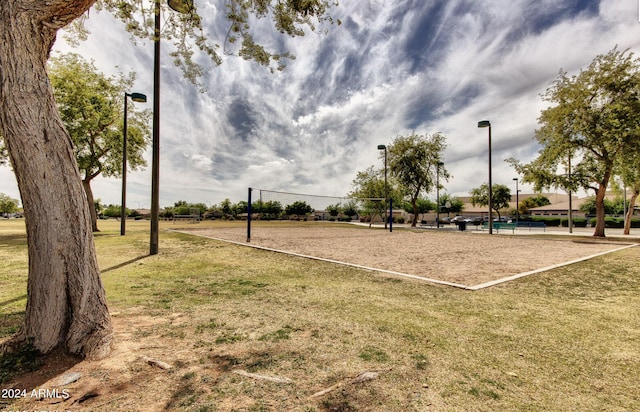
[70, 384]
[461, 258]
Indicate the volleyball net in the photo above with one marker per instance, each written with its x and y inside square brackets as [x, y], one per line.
[268, 204]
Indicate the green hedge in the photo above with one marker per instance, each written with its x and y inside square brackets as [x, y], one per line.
[549, 221]
[616, 222]
[577, 222]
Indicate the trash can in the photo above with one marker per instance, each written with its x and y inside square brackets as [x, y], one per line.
[462, 225]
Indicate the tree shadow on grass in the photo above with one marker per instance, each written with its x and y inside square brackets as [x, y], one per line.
[123, 264]
[14, 239]
[16, 299]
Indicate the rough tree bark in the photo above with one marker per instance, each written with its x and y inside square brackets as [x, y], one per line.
[632, 204]
[600, 210]
[66, 304]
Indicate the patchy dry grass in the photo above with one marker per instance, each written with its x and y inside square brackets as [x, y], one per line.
[560, 340]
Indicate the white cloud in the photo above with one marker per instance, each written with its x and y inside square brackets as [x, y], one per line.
[391, 68]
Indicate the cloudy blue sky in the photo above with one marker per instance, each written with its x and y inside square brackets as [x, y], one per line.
[391, 68]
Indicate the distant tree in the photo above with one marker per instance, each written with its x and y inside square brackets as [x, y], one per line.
[182, 207]
[111, 211]
[334, 209]
[273, 208]
[97, 205]
[540, 200]
[226, 207]
[450, 204]
[413, 161]
[532, 202]
[424, 206]
[618, 201]
[269, 209]
[500, 197]
[7, 204]
[594, 120]
[90, 105]
[589, 206]
[257, 206]
[368, 185]
[202, 207]
[298, 208]
[240, 208]
[350, 208]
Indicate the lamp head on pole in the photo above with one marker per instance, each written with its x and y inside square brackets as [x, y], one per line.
[382, 147]
[138, 97]
[181, 6]
[484, 123]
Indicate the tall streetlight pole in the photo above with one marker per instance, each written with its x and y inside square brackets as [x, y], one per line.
[438, 166]
[515, 179]
[181, 6]
[136, 97]
[386, 190]
[486, 123]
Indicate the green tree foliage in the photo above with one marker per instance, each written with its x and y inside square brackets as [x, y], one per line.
[186, 32]
[271, 209]
[7, 204]
[350, 209]
[226, 207]
[532, 202]
[413, 162]
[298, 208]
[182, 207]
[368, 185]
[450, 204]
[90, 105]
[500, 197]
[240, 208]
[628, 168]
[334, 209]
[595, 119]
[114, 211]
[610, 208]
[424, 206]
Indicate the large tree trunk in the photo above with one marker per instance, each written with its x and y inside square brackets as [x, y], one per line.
[600, 212]
[414, 220]
[627, 218]
[86, 184]
[66, 304]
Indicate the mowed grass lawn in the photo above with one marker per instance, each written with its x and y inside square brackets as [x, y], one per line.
[564, 340]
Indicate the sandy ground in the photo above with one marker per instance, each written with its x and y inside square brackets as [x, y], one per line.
[461, 258]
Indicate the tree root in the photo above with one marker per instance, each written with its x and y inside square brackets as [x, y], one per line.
[14, 344]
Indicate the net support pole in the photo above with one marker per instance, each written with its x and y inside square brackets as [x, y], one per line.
[390, 215]
[249, 215]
